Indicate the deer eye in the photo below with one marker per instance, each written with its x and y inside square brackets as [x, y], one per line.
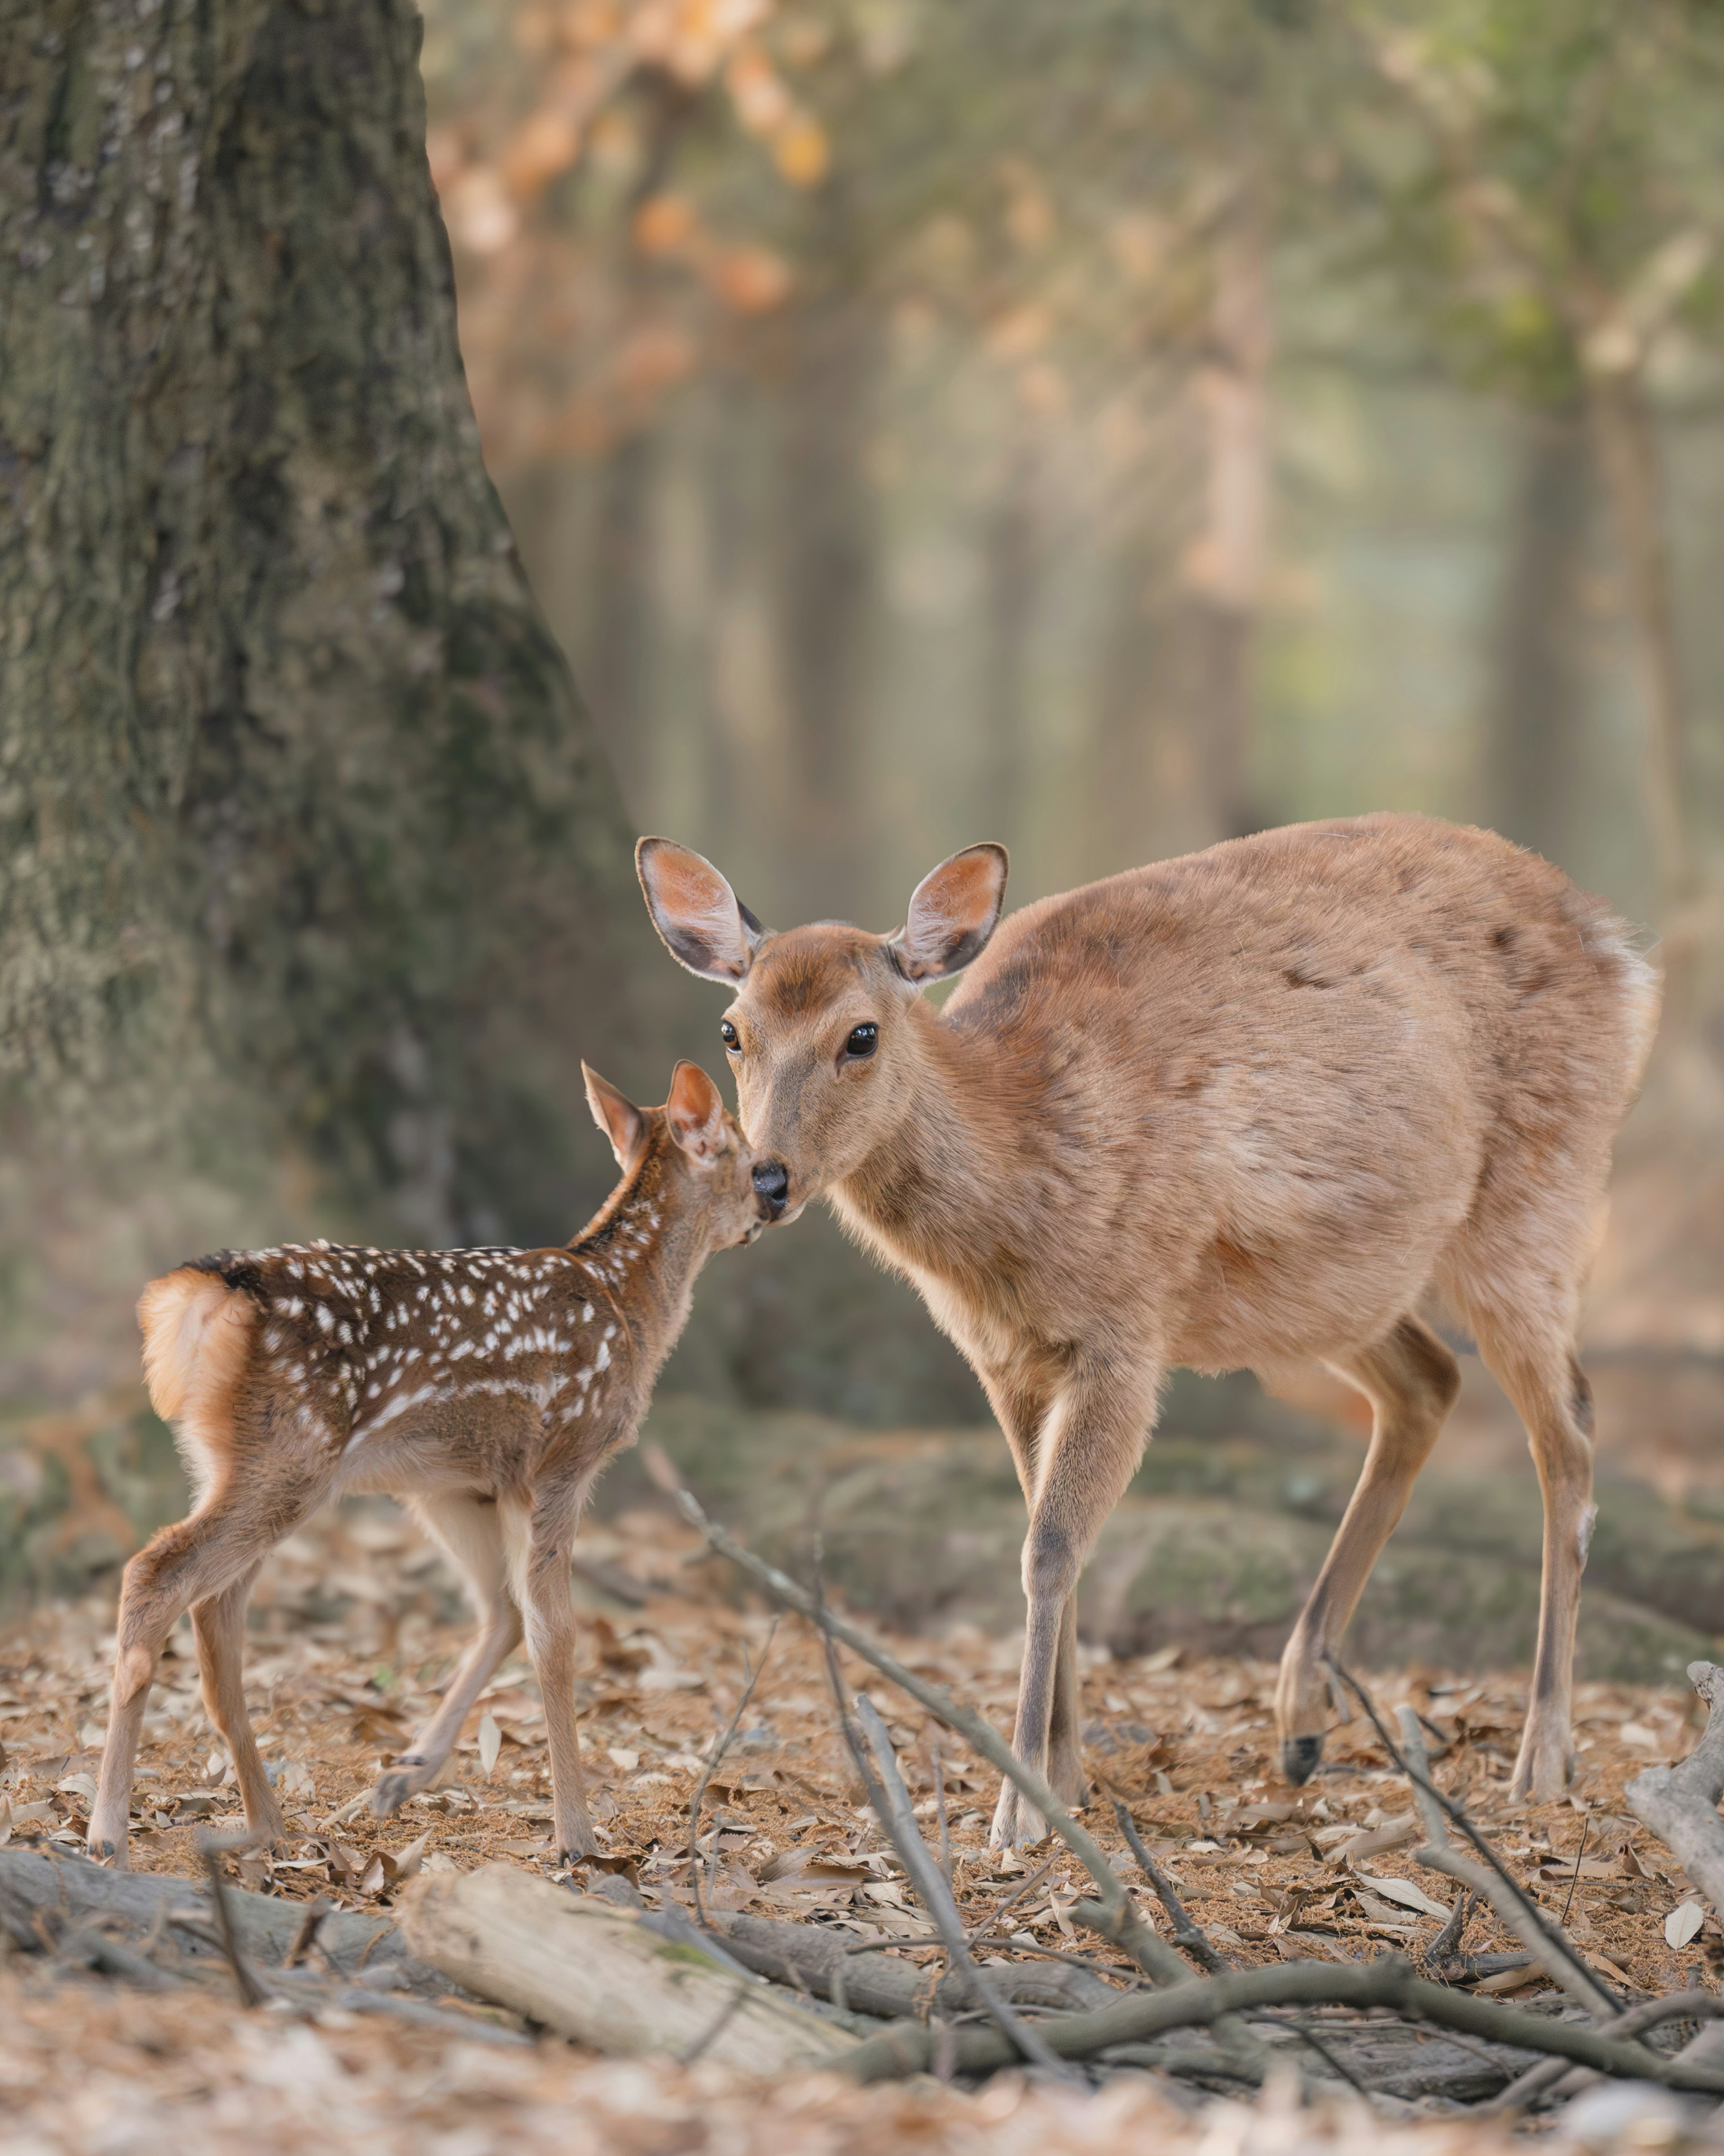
[727, 1034]
[864, 1039]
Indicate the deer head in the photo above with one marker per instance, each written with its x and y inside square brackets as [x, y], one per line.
[818, 1030]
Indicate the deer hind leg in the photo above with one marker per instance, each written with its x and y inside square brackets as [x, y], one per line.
[1087, 1451]
[470, 1532]
[1410, 1379]
[1537, 1368]
[183, 1565]
[219, 1622]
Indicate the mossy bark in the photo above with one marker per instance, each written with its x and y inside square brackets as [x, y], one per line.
[299, 807]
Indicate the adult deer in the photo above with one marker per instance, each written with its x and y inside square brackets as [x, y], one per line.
[1252, 1106]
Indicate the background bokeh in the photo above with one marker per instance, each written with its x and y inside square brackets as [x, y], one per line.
[1107, 428]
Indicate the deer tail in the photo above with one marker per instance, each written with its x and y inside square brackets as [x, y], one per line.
[198, 1335]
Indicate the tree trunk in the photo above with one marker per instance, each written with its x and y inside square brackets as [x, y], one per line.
[300, 808]
[1541, 692]
[1014, 568]
[1224, 566]
[1628, 458]
[826, 580]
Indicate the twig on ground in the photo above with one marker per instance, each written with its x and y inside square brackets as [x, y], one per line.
[1681, 1804]
[1513, 1905]
[1186, 1933]
[1112, 1915]
[93, 1950]
[890, 1800]
[1027, 1886]
[305, 1937]
[1134, 1977]
[1390, 1982]
[212, 1848]
[1309, 2036]
[940, 1813]
[750, 1679]
[467, 2027]
[1568, 1903]
[1673, 2006]
[1447, 1943]
[1215, 2063]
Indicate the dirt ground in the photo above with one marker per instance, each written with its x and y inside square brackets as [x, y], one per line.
[356, 1623]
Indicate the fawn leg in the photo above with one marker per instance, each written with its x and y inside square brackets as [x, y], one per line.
[550, 1641]
[1555, 1402]
[182, 1565]
[219, 1622]
[471, 1533]
[1410, 1379]
[1087, 1450]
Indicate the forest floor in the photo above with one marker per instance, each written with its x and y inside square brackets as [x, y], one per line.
[1186, 1743]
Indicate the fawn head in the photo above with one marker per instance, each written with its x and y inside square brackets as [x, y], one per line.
[705, 1165]
[819, 1032]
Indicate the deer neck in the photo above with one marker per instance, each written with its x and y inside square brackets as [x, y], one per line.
[932, 1194]
[645, 1248]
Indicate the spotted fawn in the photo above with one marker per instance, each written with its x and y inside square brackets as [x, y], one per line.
[485, 1389]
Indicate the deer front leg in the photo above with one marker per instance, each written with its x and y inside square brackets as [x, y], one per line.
[1087, 1451]
[550, 1642]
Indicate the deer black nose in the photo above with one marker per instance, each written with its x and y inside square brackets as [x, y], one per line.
[771, 1184]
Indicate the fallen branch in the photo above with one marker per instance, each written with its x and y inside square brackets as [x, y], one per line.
[1673, 2006]
[1681, 1804]
[93, 1950]
[717, 1753]
[212, 1848]
[1446, 1946]
[1186, 1933]
[1112, 1914]
[593, 1973]
[1515, 1908]
[876, 1981]
[1391, 1982]
[883, 1788]
[1002, 1910]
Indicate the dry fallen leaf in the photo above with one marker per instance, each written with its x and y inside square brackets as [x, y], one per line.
[1682, 1923]
[1402, 1891]
[490, 1741]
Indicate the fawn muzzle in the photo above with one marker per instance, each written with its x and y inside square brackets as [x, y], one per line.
[772, 1186]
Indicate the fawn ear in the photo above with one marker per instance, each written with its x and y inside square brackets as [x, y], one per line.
[619, 1119]
[953, 910]
[694, 909]
[695, 1113]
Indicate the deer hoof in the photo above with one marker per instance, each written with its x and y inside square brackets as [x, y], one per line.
[1016, 1824]
[1300, 1755]
[393, 1788]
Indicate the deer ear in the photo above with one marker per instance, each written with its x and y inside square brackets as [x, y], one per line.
[619, 1119]
[696, 911]
[953, 910]
[695, 1112]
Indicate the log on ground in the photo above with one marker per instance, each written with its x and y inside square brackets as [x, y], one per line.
[592, 1972]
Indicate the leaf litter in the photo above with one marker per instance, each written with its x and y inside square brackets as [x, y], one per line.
[355, 1625]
